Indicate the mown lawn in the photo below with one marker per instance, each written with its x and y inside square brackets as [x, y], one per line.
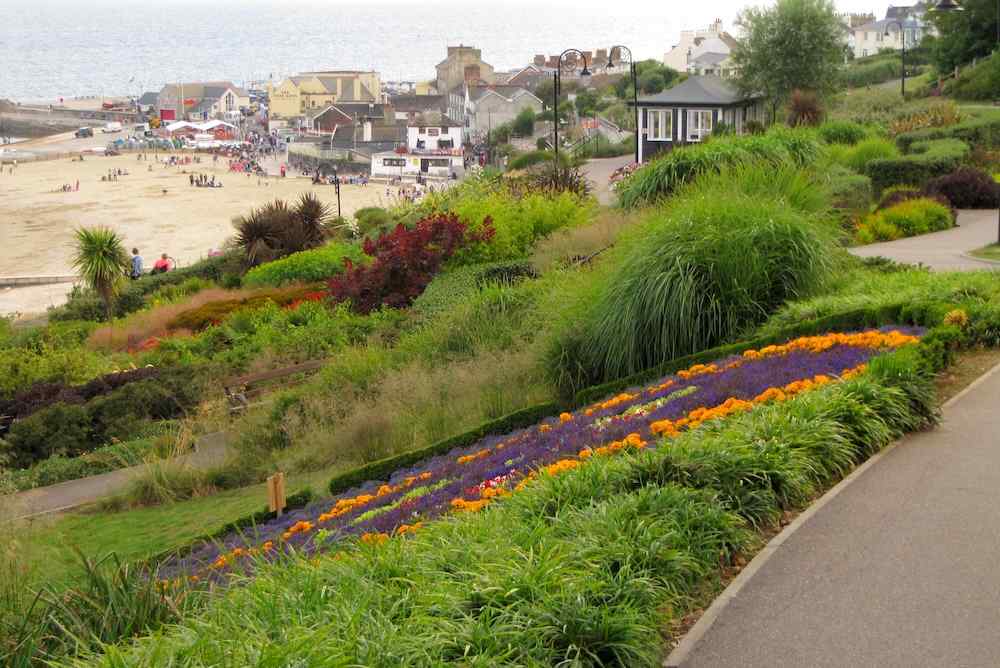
[991, 252]
[48, 542]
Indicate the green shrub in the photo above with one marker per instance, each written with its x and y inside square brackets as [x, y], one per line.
[519, 218]
[906, 219]
[373, 220]
[849, 190]
[981, 129]
[526, 160]
[929, 159]
[665, 174]
[213, 313]
[60, 429]
[869, 73]
[694, 276]
[842, 132]
[309, 266]
[453, 287]
[864, 152]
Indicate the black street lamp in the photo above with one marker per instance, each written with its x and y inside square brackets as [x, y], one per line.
[635, 87]
[902, 39]
[946, 6]
[570, 66]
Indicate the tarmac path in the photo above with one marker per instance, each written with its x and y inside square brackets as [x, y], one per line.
[943, 251]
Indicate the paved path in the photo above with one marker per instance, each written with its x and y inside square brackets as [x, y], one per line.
[71, 494]
[598, 172]
[943, 251]
[898, 569]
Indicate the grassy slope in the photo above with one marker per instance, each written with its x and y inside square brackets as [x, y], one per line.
[991, 252]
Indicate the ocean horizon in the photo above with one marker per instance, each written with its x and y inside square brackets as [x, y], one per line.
[56, 48]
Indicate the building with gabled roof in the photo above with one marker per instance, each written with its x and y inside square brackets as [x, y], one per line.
[201, 100]
[479, 108]
[690, 111]
[463, 64]
[308, 93]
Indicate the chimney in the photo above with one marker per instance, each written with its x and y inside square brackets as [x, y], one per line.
[601, 56]
[367, 130]
[539, 60]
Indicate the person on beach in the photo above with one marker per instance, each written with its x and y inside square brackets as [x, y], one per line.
[136, 264]
[162, 265]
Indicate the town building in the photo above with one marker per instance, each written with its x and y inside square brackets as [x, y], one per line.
[690, 111]
[407, 107]
[480, 108]
[463, 64]
[308, 92]
[433, 150]
[706, 51]
[901, 25]
[201, 101]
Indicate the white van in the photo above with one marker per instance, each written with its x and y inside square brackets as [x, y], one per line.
[112, 127]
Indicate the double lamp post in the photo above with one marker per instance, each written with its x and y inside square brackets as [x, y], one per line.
[569, 65]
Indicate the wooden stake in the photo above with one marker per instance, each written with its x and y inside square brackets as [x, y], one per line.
[276, 493]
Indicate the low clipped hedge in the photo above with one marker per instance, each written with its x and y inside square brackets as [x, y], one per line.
[213, 313]
[532, 415]
[309, 266]
[927, 160]
[849, 190]
[981, 130]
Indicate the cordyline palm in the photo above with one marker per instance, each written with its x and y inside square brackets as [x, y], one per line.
[102, 262]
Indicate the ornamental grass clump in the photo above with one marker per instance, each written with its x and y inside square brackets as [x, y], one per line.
[697, 274]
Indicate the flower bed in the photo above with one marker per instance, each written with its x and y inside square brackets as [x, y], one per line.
[468, 479]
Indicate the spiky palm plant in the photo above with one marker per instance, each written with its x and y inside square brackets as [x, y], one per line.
[102, 262]
[312, 216]
[257, 235]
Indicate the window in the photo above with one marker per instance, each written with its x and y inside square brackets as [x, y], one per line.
[699, 124]
[660, 124]
[421, 131]
[230, 102]
[433, 132]
[393, 162]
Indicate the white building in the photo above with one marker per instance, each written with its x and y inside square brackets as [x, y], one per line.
[900, 24]
[480, 108]
[703, 52]
[433, 150]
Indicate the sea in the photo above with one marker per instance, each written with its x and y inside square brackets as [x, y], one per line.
[56, 48]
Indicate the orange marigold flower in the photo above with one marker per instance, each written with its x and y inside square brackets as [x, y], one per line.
[565, 417]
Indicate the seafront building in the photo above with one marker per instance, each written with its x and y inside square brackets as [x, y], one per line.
[311, 92]
[201, 101]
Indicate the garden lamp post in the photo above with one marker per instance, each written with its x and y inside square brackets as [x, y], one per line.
[570, 66]
[902, 58]
[635, 87]
[947, 6]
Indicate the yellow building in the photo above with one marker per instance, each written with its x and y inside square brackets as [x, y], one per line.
[313, 91]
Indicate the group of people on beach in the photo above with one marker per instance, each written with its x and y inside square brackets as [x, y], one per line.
[203, 181]
[164, 264]
[113, 175]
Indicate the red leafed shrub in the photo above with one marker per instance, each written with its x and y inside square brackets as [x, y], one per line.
[967, 188]
[405, 261]
[804, 109]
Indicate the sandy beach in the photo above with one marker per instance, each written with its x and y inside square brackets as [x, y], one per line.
[157, 211]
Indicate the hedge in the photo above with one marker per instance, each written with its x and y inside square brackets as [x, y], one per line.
[981, 131]
[308, 266]
[929, 159]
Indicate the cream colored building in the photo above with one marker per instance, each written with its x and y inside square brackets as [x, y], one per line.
[463, 64]
[704, 51]
[310, 92]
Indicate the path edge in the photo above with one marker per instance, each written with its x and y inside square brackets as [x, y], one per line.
[682, 652]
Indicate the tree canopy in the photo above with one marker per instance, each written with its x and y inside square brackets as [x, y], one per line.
[964, 35]
[794, 44]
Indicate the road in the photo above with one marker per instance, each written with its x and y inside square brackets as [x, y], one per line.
[897, 570]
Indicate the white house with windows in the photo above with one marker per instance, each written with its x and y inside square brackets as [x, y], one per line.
[873, 37]
[201, 101]
[433, 150]
[690, 111]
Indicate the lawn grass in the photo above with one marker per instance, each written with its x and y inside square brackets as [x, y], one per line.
[991, 252]
[142, 532]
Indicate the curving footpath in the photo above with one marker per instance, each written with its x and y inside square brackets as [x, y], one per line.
[895, 566]
[943, 251]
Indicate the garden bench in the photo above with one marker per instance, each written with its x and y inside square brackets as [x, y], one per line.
[241, 391]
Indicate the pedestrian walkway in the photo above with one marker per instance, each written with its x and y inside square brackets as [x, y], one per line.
[943, 251]
[599, 170]
[898, 568]
[211, 451]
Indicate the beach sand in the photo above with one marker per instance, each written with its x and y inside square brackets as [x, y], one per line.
[156, 211]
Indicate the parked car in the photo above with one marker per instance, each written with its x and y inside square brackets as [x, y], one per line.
[114, 126]
[84, 132]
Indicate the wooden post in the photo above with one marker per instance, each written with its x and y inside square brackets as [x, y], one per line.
[276, 493]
